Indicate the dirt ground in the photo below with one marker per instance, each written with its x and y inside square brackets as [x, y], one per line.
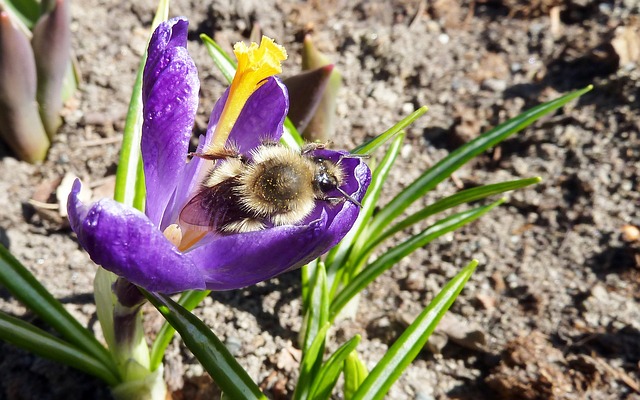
[553, 310]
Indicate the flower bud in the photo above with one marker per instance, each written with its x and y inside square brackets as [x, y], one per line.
[20, 124]
[51, 44]
[323, 124]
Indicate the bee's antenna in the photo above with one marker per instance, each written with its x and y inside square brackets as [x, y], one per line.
[349, 155]
[348, 197]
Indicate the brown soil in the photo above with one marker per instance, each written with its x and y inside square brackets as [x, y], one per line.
[555, 299]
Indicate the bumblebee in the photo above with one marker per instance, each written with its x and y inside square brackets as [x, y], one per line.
[275, 186]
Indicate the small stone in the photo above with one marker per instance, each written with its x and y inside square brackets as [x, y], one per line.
[415, 281]
[630, 233]
[496, 85]
[234, 345]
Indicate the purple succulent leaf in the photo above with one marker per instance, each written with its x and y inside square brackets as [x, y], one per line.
[124, 241]
[170, 97]
[20, 124]
[51, 44]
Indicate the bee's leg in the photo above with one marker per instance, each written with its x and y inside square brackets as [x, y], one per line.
[269, 142]
[336, 200]
[333, 201]
[309, 147]
[219, 154]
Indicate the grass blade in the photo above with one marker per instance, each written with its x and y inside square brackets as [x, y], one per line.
[223, 368]
[337, 257]
[462, 155]
[189, 300]
[371, 145]
[407, 347]
[328, 375]
[355, 372]
[26, 288]
[317, 312]
[464, 196]
[309, 364]
[26, 336]
[220, 58]
[395, 254]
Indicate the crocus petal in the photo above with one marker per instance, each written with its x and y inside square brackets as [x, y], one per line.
[240, 260]
[124, 241]
[261, 119]
[255, 64]
[170, 96]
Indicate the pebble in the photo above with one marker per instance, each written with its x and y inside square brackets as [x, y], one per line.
[496, 85]
[234, 345]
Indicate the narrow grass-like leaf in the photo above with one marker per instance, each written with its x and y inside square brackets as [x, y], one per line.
[395, 254]
[29, 291]
[130, 188]
[328, 374]
[317, 312]
[28, 337]
[337, 257]
[189, 300]
[462, 155]
[464, 196]
[227, 66]
[407, 347]
[220, 58]
[223, 368]
[355, 372]
[371, 145]
[306, 275]
[309, 364]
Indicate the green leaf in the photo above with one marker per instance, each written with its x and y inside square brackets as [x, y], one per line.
[371, 145]
[328, 374]
[27, 11]
[464, 196]
[26, 288]
[26, 336]
[189, 300]
[355, 372]
[337, 257]
[130, 187]
[412, 340]
[462, 155]
[395, 254]
[225, 371]
[220, 58]
[317, 312]
[309, 364]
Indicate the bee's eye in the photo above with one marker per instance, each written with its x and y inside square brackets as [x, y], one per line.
[318, 160]
[326, 182]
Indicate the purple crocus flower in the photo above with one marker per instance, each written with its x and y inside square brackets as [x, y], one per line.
[153, 249]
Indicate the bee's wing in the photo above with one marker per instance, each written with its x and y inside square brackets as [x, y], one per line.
[213, 208]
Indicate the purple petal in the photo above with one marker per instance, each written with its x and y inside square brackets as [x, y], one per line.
[262, 118]
[170, 97]
[245, 259]
[124, 241]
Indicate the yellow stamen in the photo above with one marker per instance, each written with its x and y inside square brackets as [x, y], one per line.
[255, 64]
